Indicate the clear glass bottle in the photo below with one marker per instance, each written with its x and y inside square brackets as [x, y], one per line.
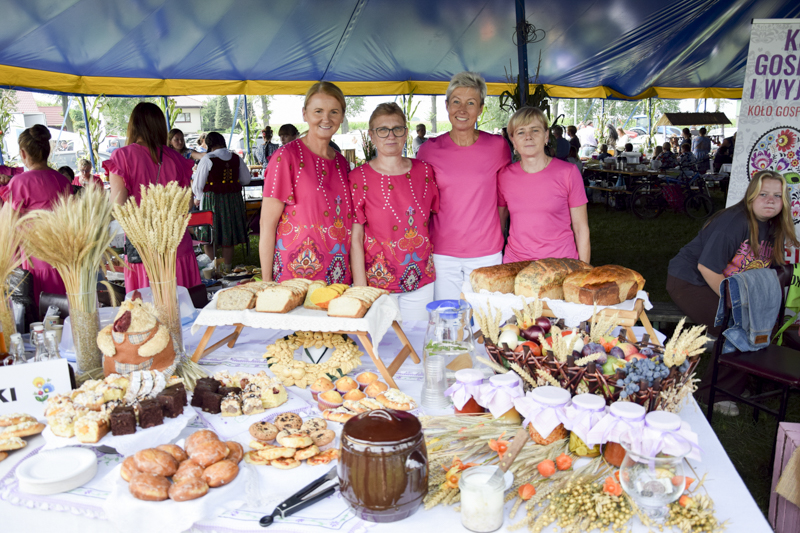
[41, 349]
[51, 343]
[17, 351]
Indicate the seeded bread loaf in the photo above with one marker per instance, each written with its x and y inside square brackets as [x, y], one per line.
[604, 285]
[497, 278]
[242, 296]
[544, 278]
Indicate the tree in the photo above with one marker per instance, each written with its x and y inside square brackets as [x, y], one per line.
[251, 114]
[266, 100]
[223, 118]
[95, 126]
[8, 106]
[208, 115]
[432, 115]
[355, 105]
[493, 116]
[64, 113]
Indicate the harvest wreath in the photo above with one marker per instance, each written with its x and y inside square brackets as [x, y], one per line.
[280, 356]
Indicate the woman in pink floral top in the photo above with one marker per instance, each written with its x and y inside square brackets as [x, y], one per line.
[307, 210]
[393, 197]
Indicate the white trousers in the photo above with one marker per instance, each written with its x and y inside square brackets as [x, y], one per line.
[412, 304]
[452, 272]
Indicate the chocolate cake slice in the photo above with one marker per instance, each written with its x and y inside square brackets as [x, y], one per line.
[212, 403]
[150, 414]
[208, 384]
[171, 401]
[123, 421]
[224, 391]
[182, 390]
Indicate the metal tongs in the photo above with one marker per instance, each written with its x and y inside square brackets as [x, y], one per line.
[298, 501]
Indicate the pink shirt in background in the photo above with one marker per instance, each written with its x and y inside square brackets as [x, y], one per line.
[312, 240]
[539, 205]
[135, 166]
[30, 191]
[395, 212]
[96, 179]
[467, 224]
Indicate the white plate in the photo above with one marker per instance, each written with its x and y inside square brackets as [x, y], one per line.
[57, 471]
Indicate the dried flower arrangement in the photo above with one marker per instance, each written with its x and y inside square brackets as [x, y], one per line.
[74, 238]
[10, 258]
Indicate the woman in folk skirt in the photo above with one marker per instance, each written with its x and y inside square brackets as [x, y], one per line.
[217, 186]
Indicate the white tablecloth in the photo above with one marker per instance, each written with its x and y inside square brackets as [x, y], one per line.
[80, 509]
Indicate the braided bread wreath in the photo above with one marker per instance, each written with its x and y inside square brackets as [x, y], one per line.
[280, 356]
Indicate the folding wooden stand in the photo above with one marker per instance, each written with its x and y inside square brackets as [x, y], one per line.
[627, 319]
[387, 373]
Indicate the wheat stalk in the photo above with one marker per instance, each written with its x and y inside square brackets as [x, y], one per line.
[10, 258]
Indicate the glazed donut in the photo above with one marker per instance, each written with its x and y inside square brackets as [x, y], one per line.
[128, 468]
[288, 421]
[175, 451]
[188, 469]
[209, 452]
[153, 461]
[196, 438]
[263, 431]
[285, 464]
[324, 458]
[220, 473]
[314, 424]
[188, 489]
[295, 440]
[237, 452]
[306, 453]
[149, 487]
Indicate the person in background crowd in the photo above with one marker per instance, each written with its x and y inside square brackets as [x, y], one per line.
[417, 141]
[145, 160]
[749, 234]
[628, 147]
[392, 247]
[586, 135]
[602, 152]
[572, 133]
[658, 150]
[574, 159]
[612, 137]
[201, 143]
[686, 161]
[39, 187]
[701, 148]
[217, 187]
[666, 157]
[67, 173]
[177, 141]
[85, 176]
[562, 145]
[265, 151]
[558, 186]
[686, 136]
[6, 173]
[724, 155]
[307, 213]
[675, 144]
[622, 137]
[466, 230]
[287, 133]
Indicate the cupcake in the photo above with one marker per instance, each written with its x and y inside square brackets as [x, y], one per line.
[355, 394]
[320, 386]
[375, 389]
[329, 400]
[346, 384]
[365, 378]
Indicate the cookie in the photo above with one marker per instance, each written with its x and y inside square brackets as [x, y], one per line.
[306, 453]
[13, 443]
[322, 437]
[314, 424]
[14, 419]
[263, 431]
[288, 421]
[276, 452]
[259, 445]
[296, 440]
[253, 458]
[323, 458]
[285, 464]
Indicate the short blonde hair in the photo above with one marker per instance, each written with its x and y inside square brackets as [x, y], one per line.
[83, 162]
[524, 116]
[325, 87]
[468, 80]
[386, 109]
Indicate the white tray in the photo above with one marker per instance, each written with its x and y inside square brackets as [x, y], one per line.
[57, 471]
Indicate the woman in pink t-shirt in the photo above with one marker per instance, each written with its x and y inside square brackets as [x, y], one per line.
[307, 210]
[85, 176]
[145, 160]
[466, 231]
[38, 188]
[393, 198]
[544, 197]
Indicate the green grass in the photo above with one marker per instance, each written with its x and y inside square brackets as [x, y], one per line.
[618, 237]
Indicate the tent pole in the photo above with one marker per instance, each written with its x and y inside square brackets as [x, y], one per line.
[235, 116]
[522, 53]
[246, 128]
[575, 113]
[650, 119]
[166, 110]
[88, 133]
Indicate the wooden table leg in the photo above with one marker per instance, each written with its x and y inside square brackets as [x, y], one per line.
[201, 350]
[235, 335]
[198, 352]
[649, 328]
[401, 334]
[375, 359]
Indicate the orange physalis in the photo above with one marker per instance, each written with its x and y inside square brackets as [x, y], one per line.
[526, 491]
[677, 480]
[612, 487]
[685, 501]
[499, 446]
[563, 462]
[546, 468]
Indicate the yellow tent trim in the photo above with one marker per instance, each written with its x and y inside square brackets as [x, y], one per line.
[44, 80]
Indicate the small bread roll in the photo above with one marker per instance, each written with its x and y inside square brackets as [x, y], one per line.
[207, 453]
[149, 487]
[188, 469]
[220, 473]
[153, 461]
[188, 489]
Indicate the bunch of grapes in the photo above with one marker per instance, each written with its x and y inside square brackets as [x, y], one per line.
[638, 370]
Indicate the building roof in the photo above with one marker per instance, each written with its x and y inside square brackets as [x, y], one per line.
[186, 102]
[26, 103]
[692, 119]
[52, 115]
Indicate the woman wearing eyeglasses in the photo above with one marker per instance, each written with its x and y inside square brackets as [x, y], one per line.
[393, 198]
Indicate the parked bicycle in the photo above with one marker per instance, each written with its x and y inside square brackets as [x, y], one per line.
[679, 193]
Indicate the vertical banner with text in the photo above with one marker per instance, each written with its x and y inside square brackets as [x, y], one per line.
[768, 134]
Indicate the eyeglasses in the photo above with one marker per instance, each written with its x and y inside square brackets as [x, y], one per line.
[398, 131]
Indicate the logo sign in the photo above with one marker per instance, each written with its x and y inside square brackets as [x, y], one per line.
[26, 388]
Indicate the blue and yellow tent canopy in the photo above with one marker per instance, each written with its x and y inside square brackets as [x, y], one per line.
[591, 48]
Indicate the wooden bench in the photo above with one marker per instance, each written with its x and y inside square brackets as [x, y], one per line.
[666, 312]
